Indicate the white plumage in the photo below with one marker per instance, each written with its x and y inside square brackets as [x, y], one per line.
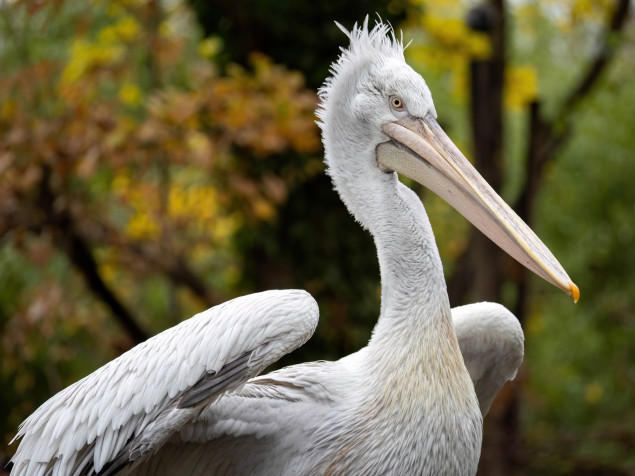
[189, 400]
[492, 345]
[138, 394]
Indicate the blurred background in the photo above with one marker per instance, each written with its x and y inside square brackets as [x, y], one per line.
[160, 157]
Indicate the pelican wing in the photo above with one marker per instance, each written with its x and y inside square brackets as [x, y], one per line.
[492, 344]
[267, 427]
[129, 408]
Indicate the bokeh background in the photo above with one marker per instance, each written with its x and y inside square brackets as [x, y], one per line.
[160, 157]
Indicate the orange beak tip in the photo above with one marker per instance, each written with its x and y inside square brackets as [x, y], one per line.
[575, 292]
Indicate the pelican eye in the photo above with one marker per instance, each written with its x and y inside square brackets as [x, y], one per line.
[396, 103]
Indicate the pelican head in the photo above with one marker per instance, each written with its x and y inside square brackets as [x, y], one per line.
[381, 119]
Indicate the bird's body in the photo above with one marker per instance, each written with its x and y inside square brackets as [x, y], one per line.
[189, 402]
[390, 408]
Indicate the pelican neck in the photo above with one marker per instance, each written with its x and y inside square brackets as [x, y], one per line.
[414, 300]
[415, 324]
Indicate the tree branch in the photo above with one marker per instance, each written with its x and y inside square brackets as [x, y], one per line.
[546, 136]
[604, 54]
[80, 255]
[475, 276]
[158, 258]
[174, 267]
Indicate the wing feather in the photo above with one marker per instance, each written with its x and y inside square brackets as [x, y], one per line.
[492, 343]
[251, 417]
[91, 422]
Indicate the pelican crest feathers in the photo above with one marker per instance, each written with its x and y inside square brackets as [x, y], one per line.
[366, 46]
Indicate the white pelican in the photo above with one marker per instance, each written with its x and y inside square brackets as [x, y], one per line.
[189, 400]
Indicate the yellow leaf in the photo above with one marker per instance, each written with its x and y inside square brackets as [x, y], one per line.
[210, 47]
[263, 209]
[130, 94]
[8, 108]
[593, 393]
[125, 30]
[536, 324]
[521, 86]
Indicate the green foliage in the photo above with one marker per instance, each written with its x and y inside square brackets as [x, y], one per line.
[583, 361]
[577, 406]
[124, 174]
[312, 243]
[301, 35]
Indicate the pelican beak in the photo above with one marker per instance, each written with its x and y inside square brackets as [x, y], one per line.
[420, 150]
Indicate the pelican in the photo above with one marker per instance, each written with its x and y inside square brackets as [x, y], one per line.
[190, 400]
